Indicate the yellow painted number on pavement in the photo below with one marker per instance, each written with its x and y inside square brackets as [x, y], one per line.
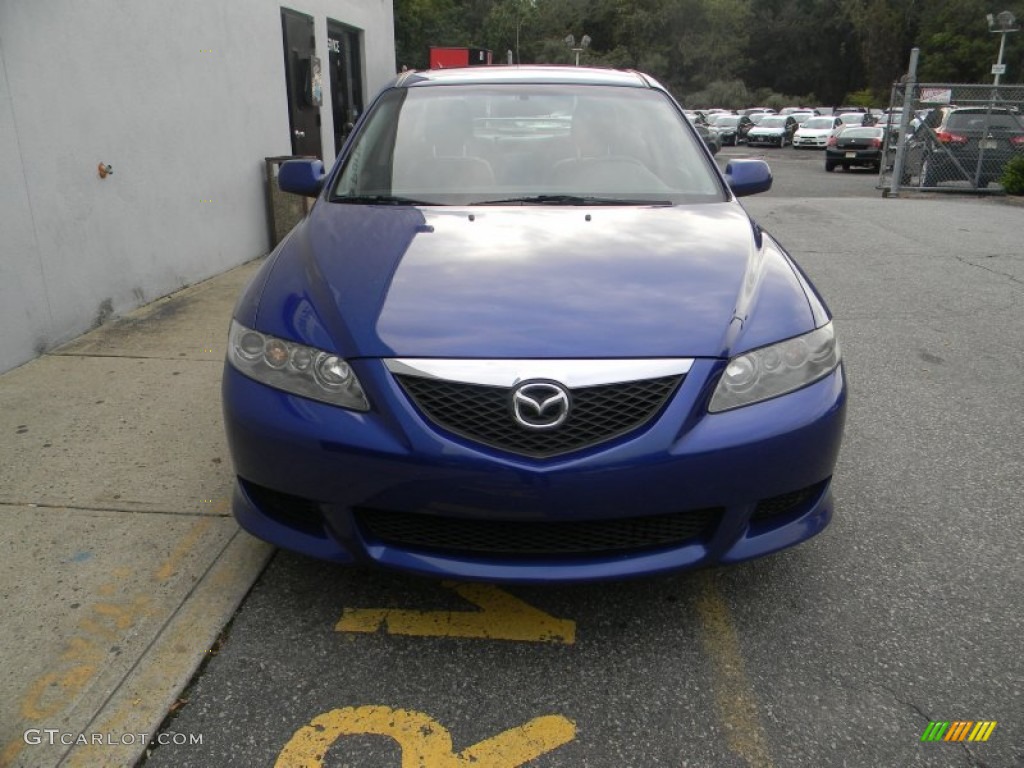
[502, 617]
[425, 743]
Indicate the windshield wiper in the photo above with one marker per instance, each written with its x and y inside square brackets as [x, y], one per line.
[379, 200]
[570, 200]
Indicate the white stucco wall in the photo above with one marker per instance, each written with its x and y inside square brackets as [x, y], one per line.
[131, 83]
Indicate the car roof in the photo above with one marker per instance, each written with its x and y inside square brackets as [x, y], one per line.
[524, 74]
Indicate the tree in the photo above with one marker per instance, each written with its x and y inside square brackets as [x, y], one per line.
[956, 46]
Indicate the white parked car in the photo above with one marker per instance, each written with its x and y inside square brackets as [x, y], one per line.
[815, 131]
[855, 118]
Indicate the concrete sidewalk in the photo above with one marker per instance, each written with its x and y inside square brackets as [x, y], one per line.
[119, 560]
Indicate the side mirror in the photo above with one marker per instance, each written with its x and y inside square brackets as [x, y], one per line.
[748, 177]
[301, 177]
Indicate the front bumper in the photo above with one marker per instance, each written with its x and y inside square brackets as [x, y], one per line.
[817, 142]
[771, 140]
[326, 468]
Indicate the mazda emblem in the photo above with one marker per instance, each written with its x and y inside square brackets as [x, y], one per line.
[540, 404]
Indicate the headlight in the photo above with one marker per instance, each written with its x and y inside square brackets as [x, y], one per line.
[777, 369]
[295, 368]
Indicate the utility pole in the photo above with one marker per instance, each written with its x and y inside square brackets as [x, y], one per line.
[1005, 26]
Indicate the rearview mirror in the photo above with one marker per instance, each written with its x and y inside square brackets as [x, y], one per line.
[301, 177]
[748, 177]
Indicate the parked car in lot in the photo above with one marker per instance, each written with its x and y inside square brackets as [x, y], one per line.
[966, 144]
[855, 118]
[814, 133]
[476, 361]
[732, 129]
[774, 131]
[709, 136]
[855, 145]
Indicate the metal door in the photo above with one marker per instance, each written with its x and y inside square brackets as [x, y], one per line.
[304, 81]
[345, 64]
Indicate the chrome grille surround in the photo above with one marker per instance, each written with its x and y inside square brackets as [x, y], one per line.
[474, 398]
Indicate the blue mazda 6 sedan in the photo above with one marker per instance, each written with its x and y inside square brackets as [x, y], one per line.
[527, 334]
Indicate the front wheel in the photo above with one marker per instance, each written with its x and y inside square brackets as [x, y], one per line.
[830, 166]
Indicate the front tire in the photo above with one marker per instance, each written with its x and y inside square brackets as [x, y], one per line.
[830, 166]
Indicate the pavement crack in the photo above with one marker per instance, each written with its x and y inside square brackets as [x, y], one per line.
[970, 263]
[80, 508]
[976, 762]
[927, 718]
[135, 357]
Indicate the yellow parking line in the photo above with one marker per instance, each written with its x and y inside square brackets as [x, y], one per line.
[169, 567]
[734, 700]
[501, 617]
[424, 742]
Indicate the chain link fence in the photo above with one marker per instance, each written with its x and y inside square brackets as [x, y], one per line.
[951, 137]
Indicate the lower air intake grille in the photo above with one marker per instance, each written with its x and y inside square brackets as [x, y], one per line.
[484, 413]
[524, 539]
[293, 511]
[783, 503]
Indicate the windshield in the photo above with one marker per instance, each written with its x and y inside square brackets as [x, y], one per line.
[526, 143]
[818, 122]
[773, 122]
[727, 122]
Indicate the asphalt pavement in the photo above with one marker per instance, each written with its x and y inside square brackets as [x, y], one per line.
[121, 565]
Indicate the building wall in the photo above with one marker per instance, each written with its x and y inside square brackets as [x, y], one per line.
[183, 100]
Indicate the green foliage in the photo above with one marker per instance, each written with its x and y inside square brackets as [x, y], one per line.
[728, 94]
[728, 52]
[1013, 176]
[866, 97]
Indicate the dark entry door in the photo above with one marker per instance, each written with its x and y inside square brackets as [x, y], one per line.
[304, 79]
[345, 63]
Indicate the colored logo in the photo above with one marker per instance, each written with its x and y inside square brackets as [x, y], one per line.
[958, 730]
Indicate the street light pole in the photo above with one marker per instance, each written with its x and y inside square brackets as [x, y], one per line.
[1006, 26]
[584, 44]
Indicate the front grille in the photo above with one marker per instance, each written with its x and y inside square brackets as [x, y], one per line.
[484, 413]
[784, 503]
[502, 538]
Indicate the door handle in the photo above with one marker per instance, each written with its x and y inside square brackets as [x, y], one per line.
[299, 134]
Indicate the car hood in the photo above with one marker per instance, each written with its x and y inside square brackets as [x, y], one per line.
[815, 132]
[531, 282]
[759, 131]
